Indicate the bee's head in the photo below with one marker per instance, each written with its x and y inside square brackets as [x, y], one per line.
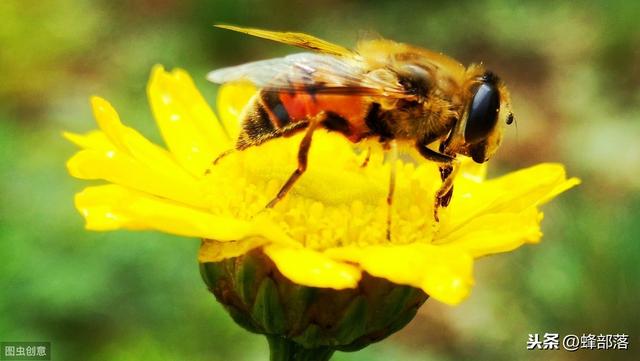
[486, 111]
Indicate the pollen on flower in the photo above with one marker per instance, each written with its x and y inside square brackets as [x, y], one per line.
[327, 208]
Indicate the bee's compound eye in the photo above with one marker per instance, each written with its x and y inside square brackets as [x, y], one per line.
[483, 113]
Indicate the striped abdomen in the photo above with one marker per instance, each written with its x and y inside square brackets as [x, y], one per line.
[275, 114]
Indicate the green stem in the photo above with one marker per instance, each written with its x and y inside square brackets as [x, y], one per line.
[284, 349]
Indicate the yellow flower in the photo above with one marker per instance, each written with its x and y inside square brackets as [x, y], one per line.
[330, 229]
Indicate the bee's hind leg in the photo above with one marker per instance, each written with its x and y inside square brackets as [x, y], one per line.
[303, 154]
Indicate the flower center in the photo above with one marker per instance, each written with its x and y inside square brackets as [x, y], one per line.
[336, 202]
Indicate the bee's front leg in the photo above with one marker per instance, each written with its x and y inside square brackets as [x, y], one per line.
[448, 170]
[448, 173]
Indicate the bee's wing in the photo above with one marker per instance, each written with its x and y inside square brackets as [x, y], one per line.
[318, 73]
[296, 39]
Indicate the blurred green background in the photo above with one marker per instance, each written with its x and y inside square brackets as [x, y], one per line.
[574, 74]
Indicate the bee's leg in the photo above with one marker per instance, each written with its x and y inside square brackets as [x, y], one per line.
[366, 158]
[443, 198]
[432, 155]
[448, 174]
[303, 153]
[448, 167]
[393, 159]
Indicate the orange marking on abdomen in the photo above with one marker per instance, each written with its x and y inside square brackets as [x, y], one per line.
[302, 106]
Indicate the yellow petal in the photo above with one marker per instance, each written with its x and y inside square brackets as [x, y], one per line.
[112, 207]
[95, 139]
[107, 119]
[311, 268]
[560, 188]
[445, 273]
[472, 171]
[231, 101]
[512, 193]
[118, 167]
[215, 251]
[117, 139]
[528, 187]
[111, 154]
[189, 127]
[495, 233]
[127, 140]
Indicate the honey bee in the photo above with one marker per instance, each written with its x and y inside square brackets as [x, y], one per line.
[382, 89]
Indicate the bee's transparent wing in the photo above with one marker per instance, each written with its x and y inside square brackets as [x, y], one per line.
[317, 73]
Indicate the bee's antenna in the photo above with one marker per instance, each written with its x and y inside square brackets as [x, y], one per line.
[511, 119]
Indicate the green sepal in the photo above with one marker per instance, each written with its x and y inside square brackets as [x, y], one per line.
[297, 306]
[215, 276]
[246, 280]
[260, 299]
[284, 349]
[267, 309]
[211, 272]
[353, 323]
[392, 304]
